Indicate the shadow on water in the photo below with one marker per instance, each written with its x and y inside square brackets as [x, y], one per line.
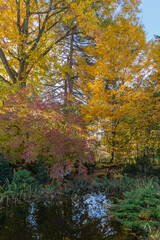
[65, 218]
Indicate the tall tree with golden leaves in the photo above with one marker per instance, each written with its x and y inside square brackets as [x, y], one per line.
[109, 84]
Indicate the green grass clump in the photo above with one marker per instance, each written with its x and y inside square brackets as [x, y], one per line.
[21, 188]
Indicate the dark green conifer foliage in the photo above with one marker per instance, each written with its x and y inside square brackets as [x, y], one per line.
[5, 170]
[140, 207]
[42, 176]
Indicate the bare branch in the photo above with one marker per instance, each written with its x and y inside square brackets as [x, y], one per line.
[4, 80]
[61, 10]
[56, 42]
[13, 55]
[41, 30]
[51, 26]
[39, 13]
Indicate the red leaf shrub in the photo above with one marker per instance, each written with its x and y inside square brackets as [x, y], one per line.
[33, 128]
[59, 170]
[82, 170]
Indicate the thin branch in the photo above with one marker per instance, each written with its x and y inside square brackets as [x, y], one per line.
[4, 80]
[39, 34]
[13, 55]
[57, 41]
[61, 10]
[129, 138]
[52, 26]
[39, 13]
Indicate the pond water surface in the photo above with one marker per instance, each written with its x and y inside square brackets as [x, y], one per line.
[83, 217]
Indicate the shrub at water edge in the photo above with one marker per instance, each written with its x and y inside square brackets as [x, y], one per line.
[140, 207]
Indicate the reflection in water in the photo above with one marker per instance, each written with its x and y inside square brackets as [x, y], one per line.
[65, 218]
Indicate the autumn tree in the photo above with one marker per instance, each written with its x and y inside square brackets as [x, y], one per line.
[33, 129]
[148, 98]
[29, 31]
[93, 51]
[30, 35]
[109, 84]
[87, 28]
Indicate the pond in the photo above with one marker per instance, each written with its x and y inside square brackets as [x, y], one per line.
[85, 217]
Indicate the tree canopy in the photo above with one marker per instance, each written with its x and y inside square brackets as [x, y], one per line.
[95, 54]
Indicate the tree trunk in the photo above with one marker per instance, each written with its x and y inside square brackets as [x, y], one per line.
[113, 147]
[70, 59]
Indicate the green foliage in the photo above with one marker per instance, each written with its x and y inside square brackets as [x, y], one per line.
[22, 189]
[26, 194]
[111, 186]
[22, 180]
[5, 170]
[140, 207]
[41, 171]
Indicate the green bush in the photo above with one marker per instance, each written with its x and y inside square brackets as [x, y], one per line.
[41, 171]
[140, 207]
[21, 188]
[116, 186]
[22, 180]
[5, 170]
